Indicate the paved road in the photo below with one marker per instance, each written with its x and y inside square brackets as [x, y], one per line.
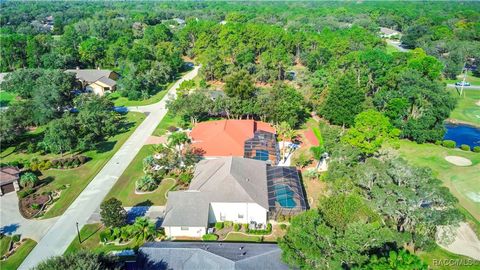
[61, 234]
[471, 87]
[396, 44]
[12, 222]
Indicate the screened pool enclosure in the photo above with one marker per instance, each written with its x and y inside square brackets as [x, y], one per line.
[285, 191]
[263, 146]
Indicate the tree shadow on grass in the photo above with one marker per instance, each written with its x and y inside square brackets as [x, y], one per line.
[9, 229]
[104, 147]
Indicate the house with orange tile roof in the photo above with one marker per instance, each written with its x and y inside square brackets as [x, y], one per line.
[238, 138]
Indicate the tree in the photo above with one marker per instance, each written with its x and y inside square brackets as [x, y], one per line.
[312, 243]
[239, 85]
[28, 179]
[285, 133]
[91, 50]
[112, 213]
[84, 260]
[61, 135]
[396, 260]
[143, 229]
[344, 102]
[178, 140]
[371, 129]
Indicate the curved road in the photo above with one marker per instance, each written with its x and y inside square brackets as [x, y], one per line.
[63, 231]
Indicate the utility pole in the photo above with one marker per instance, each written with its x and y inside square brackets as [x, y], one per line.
[465, 70]
[78, 233]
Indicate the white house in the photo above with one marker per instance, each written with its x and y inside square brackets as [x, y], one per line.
[229, 189]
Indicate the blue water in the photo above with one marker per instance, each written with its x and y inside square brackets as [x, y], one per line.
[284, 196]
[261, 155]
[463, 134]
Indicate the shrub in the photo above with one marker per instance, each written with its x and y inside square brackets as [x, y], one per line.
[236, 227]
[48, 165]
[146, 183]
[209, 237]
[35, 206]
[283, 226]
[280, 218]
[185, 177]
[112, 213]
[449, 144]
[219, 225]
[465, 147]
[228, 224]
[25, 192]
[28, 179]
[476, 149]
[438, 142]
[245, 227]
[82, 159]
[268, 230]
[172, 128]
[16, 238]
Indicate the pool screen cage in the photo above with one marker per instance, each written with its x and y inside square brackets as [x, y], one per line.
[263, 146]
[285, 191]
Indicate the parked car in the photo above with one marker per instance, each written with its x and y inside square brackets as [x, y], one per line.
[462, 83]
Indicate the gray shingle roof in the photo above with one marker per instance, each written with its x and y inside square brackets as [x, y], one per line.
[210, 255]
[229, 179]
[232, 179]
[187, 209]
[107, 81]
[90, 75]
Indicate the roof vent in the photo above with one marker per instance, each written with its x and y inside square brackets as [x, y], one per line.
[240, 248]
[246, 179]
[244, 253]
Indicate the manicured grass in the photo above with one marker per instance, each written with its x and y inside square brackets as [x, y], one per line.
[90, 236]
[77, 178]
[6, 98]
[391, 49]
[435, 257]
[470, 78]
[239, 237]
[467, 110]
[123, 101]
[124, 189]
[14, 261]
[170, 119]
[4, 244]
[462, 181]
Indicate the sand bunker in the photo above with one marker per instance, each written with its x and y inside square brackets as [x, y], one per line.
[459, 161]
[478, 103]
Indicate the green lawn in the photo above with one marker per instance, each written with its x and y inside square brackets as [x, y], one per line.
[467, 110]
[77, 178]
[170, 119]
[90, 236]
[14, 261]
[239, 237]
[462, 181]
[391, 49]
[4, 244]
[123, 101]
[470, 78]
[6, 98]
[434, 257]
[124, 189]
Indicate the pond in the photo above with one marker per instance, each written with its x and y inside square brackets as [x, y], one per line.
[463, 134]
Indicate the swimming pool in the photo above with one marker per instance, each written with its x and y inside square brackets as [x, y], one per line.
[261, 155]
[284, 196]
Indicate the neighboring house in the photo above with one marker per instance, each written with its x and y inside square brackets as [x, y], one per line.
[209, 255]
[236, 189]
[389, 33]
[98, 81]
[9, 176]
[239, 138]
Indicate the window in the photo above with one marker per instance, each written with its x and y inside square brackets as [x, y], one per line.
[184, 228]
[240, 215]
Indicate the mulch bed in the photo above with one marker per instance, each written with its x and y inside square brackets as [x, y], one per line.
[26, 204]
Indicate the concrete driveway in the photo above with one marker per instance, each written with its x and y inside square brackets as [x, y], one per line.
[12, 222]
[61, 234]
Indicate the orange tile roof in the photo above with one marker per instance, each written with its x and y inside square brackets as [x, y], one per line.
[226, 137]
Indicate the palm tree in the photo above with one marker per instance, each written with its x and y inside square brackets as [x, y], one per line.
[177, 140]
[143, 229]
[285, 133]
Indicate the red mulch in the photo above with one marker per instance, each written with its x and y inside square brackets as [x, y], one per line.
[311, 137]
[26, 204]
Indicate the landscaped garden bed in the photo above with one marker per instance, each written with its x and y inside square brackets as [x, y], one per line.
[33, 204]
[229, 231]
[14, 251]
